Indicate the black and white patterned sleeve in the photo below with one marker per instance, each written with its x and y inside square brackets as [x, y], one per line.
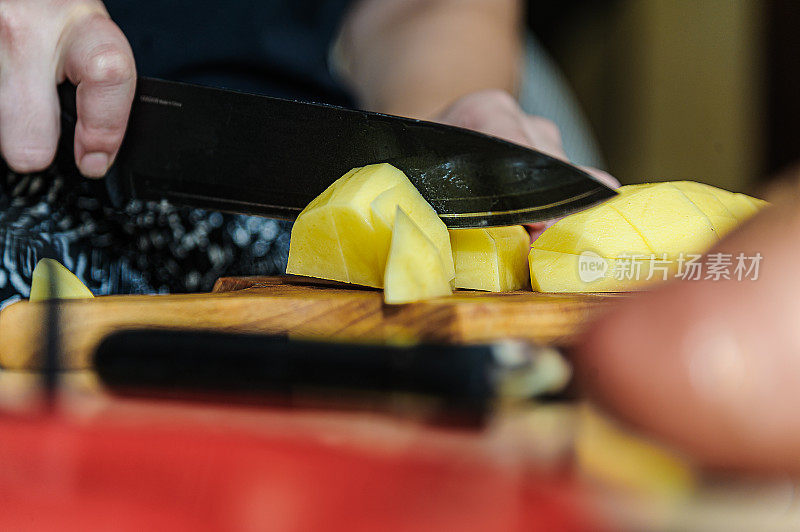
[144, 248]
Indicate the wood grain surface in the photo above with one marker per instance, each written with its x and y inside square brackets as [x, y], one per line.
[298, 307]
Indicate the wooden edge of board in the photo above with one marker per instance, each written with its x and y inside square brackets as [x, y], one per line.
[300, 308]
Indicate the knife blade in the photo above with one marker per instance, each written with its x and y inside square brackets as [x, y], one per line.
[231, 151]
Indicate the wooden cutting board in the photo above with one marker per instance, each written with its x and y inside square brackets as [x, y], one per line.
[298, 307]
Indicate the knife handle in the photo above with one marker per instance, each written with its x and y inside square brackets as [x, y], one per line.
[69, 119]
[67, 98]
[117, 194]
[462, 380]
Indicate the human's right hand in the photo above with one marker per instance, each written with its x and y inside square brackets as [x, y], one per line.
[43, 43]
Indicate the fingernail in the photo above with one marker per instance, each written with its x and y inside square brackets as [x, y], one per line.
[94, 164]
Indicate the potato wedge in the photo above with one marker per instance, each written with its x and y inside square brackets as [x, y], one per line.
[492, 259]
[345, 233]
[642, 236]
[51, 280]
[414, 269]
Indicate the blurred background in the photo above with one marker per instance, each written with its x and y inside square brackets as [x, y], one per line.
[682, 89]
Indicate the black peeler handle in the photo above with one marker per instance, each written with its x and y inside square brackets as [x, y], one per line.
[192, 363]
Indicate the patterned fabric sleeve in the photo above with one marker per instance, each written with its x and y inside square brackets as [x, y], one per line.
[144, 248]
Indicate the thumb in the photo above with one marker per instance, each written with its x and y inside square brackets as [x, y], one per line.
[711, 366]
[99, 60]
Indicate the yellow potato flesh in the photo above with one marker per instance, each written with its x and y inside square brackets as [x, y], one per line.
[607, 453]
[667, 220]
[741, 206]
[721, 217]
[593, 229]
[414, 205]
[344, 234]
[637, 238]
[414, 269]
[51, 280]
[491, 259]
[553, 271]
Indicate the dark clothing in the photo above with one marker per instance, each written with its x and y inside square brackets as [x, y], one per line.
[278, 48]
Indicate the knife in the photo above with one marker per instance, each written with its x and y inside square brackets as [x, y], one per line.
[231, 151]
[453, 381]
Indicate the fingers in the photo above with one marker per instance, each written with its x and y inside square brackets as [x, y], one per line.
[544, 135]
[99, 60]
[493, 112]
[29, 119]
[497, 113]
[40, 42]
[603, 177]
[535, 230]
[28, 103]
[711, 366]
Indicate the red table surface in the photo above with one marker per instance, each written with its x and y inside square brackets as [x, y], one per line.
[57, 474]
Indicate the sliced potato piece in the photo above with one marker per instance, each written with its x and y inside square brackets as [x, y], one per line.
[601, 229]
[667, 220]
[414, 269]
[344, 234]
[721, 217]
[741, 205]
[491, 259]
[420, 211]
[636, 238]
[607, 453]
[314, 248]
[553, 271]
[65, 285]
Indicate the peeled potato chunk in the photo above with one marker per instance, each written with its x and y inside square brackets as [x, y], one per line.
[414, 269]
[384, 208]
[64, 285]
[612, 455]
[639, 237]
[345, 233]
[493, 259]
[740, 205]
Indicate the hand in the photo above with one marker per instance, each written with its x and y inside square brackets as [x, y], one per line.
[497, 113]
[712, 366]
[42, 43]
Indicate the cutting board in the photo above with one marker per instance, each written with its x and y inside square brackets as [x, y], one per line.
[298, 307]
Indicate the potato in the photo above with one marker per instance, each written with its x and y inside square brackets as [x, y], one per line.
[740, 205]
[493, 259]
[414, 269]
[414, 205]
[65, 284]
[345, 233]
[636, 238]
[612, 455]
